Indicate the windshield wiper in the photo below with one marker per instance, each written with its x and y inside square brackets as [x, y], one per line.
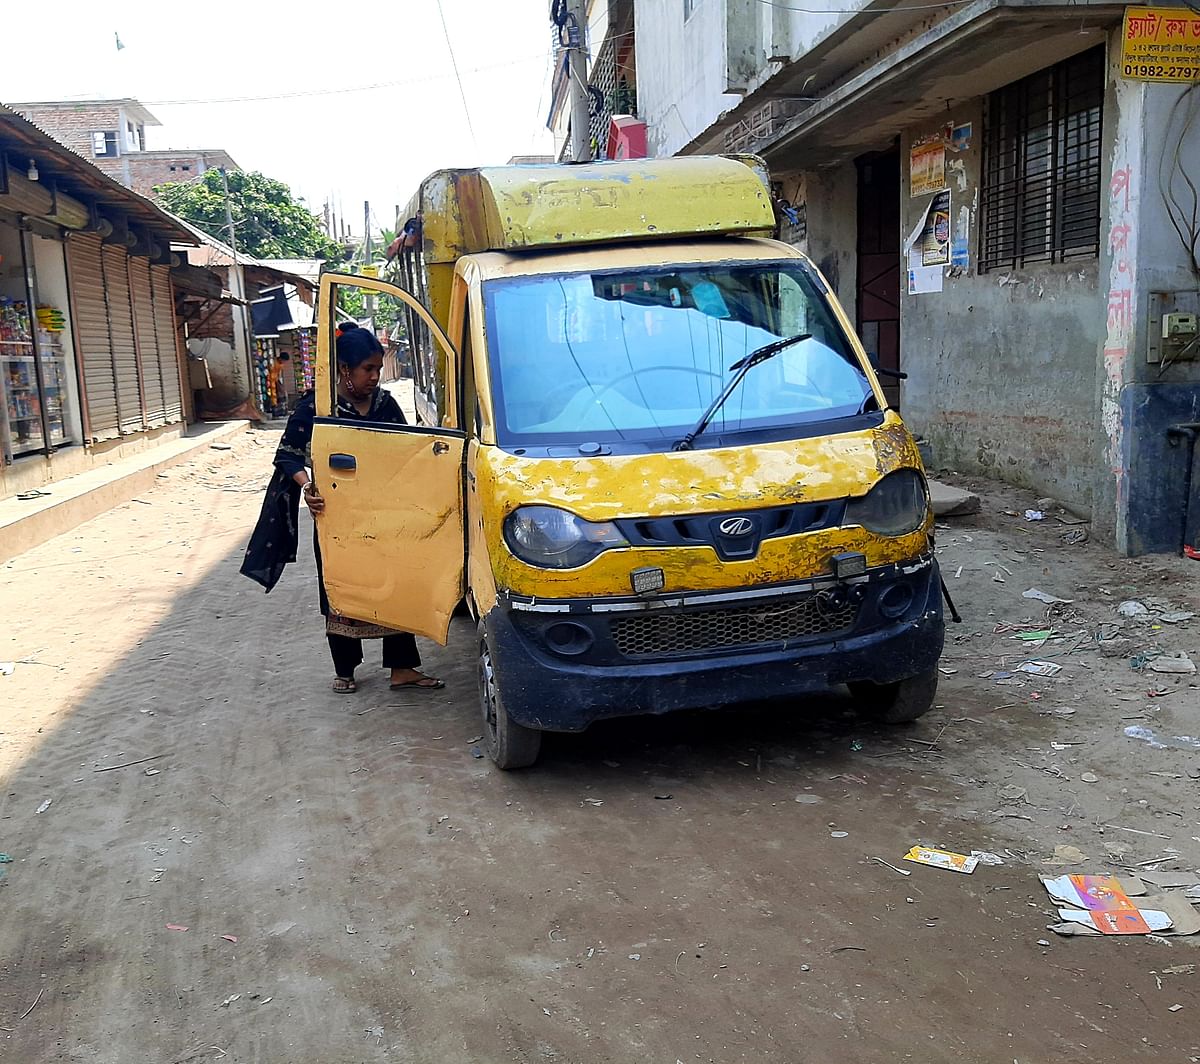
[742, 366]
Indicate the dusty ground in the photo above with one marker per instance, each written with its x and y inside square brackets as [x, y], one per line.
[652, 892]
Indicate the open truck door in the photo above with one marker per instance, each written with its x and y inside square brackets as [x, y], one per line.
[391, 534]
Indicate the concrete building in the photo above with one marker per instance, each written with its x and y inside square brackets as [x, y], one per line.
[112, 134]
[1000, 203]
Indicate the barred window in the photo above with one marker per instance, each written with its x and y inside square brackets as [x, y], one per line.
[1041, 166]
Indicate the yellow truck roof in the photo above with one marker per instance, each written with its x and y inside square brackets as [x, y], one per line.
[493, 265]
[511, 208]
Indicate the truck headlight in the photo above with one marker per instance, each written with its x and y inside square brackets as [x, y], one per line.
[896, 506]
[551, 538]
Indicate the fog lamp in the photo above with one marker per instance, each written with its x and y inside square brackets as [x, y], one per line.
[646, 580]
[849, 564]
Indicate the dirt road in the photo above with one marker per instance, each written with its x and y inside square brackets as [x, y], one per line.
[357, 886]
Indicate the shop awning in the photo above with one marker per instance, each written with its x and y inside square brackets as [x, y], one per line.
[271, 312]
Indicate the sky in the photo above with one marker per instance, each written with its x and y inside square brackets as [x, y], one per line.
[204, 77]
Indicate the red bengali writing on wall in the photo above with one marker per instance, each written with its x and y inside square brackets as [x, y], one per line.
[1120, 309]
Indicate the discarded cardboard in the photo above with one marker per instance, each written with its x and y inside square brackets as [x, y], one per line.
[1117, 905]
[951, 862]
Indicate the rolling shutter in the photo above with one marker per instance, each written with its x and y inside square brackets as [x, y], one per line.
[92, 337]
[124, 347]
[147, 341]
[168, 349]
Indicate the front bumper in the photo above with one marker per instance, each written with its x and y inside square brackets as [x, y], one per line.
[561, 665]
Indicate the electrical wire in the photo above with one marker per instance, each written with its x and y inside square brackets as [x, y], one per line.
[1184, 220]
[454, 64]
[303, 93]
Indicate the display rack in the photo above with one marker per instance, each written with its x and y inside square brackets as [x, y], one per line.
[306, 346]
[264, 362]
[22, 404]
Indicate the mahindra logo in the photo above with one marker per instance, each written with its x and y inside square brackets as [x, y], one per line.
[736, 526]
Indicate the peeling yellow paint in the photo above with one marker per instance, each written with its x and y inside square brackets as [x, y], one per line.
[695, 482]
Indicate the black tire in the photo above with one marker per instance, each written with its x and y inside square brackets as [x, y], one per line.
[508, 744]
[899, 702]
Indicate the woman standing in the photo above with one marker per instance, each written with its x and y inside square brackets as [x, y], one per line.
[359, 397]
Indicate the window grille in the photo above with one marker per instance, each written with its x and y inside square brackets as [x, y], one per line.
[602, 88]
[1041, 166]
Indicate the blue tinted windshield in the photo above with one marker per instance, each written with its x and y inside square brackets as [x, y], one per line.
[638, 356]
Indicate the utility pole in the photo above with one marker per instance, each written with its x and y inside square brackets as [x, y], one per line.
[368, 296]
[577, 73]
[228, 213]
[239, 291]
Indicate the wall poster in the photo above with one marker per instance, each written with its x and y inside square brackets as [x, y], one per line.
[926, 167]
[935, 237]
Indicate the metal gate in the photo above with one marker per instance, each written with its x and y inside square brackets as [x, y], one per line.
[147, 341]
[168, 345]
[124, 345]
[86, 285]
[879, 268]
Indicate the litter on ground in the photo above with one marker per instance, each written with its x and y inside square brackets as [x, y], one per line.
[952, 862]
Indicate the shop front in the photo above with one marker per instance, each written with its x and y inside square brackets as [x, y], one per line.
[39, 395]
[89, 356]
[125, 318]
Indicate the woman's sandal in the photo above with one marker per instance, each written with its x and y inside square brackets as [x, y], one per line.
[425, 683]
[343, 686]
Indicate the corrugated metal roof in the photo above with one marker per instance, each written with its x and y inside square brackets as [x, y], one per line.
[209, 251]
[79, 177]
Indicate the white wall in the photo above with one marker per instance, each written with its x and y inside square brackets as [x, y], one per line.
[681, 70]
[682, 66]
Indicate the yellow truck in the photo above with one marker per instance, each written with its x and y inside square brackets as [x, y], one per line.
[651, 456]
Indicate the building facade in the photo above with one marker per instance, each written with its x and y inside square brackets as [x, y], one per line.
[112, 134]
[1000, 201]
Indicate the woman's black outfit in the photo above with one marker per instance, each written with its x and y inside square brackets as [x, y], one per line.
[273, 543]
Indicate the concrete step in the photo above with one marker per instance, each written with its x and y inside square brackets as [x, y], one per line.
[949, 501]
[68, 503]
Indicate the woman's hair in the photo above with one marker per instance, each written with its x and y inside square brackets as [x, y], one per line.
[355, 346]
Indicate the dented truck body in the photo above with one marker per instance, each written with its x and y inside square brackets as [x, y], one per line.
[629, 539]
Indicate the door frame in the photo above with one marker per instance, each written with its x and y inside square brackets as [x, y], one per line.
[323, 380]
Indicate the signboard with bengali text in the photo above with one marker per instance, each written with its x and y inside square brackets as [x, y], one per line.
[1161, 44]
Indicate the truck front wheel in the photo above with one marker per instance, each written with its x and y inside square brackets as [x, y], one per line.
[508, 744]
[899, 702]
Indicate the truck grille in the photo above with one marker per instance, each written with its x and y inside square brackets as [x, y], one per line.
[659, 632]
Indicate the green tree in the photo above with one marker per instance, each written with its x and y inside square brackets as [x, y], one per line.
[269, 223]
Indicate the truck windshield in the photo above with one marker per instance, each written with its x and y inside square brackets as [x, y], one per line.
[637, 357]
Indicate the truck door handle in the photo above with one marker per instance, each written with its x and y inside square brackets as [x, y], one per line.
[440, 447]
[343, 461]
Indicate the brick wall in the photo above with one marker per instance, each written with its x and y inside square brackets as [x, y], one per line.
[74, 128]
[158, 168]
